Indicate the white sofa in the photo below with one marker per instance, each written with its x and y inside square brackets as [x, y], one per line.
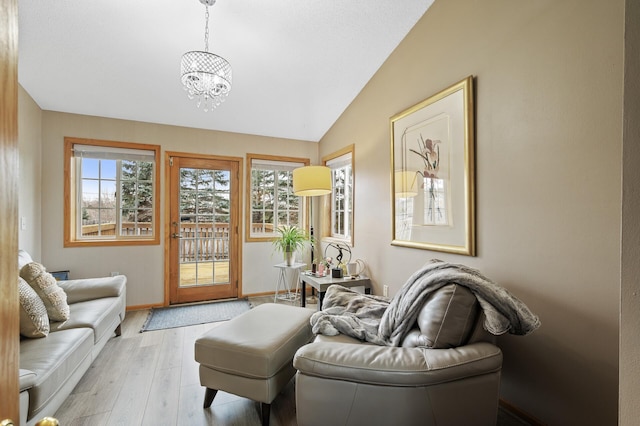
[51, 366]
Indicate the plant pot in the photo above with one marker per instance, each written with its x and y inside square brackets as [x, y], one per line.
[289, 258]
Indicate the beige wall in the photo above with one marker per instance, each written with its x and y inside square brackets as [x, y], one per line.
[30, 166]
[548, 178]
[143, 265]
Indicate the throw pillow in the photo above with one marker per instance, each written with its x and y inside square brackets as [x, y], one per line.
[23, 259]
[446, 319]
[54, 297]
[34, 321]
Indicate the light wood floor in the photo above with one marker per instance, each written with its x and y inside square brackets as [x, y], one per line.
[151, 378]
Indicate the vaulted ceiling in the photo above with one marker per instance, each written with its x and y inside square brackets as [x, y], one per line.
[297, 64]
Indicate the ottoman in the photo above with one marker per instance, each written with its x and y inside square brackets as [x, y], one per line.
[251, 355]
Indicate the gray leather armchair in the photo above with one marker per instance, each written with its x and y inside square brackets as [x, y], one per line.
[447, 372]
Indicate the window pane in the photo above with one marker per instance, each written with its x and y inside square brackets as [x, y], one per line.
[90, 190]
[205, 202]
[205, 180]
[145, 171]
[222, 203]
[90, 168]
[129, 170]
[145, 217]
[283, 218]
[107, 194]
[128, 223]
[145, 194]
[129, 215]
[99, 222]
[269, 199]
[188, 202]
[108, 169]
[188, 179]
[222, 179]
[294, 217]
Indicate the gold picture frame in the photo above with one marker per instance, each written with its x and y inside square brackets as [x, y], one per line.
[432, 172]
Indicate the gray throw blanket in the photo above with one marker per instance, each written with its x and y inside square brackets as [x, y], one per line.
[386, 322]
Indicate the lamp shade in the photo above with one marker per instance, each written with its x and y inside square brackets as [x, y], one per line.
[405, 184]
[309, 181]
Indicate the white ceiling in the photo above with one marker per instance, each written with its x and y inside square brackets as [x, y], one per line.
[297, 64]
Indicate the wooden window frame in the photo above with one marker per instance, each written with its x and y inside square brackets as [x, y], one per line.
[70, 194]
[327, 200]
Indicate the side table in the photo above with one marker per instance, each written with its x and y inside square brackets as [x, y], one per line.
[285, 272]
[321, 284]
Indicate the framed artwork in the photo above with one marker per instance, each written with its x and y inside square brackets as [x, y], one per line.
[432, 179]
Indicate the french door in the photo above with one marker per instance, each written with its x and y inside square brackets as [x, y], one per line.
[204, 254]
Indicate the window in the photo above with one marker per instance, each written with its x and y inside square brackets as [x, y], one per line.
[270, 199]
[340, 209]
[111, 193]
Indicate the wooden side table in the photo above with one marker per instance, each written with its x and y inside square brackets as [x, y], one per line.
[285, 272]
[321, 284]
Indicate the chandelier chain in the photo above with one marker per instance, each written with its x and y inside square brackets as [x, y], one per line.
[206, 29]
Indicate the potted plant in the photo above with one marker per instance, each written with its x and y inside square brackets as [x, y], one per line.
[290, 240]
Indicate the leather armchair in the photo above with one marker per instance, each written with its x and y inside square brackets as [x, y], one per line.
[447, 372]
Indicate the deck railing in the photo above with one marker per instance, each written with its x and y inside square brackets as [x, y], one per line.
[198, 242]
[128, 229]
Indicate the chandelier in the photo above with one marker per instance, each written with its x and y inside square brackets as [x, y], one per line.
[205, 76]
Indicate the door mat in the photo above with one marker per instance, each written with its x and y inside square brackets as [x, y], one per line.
[182, 316]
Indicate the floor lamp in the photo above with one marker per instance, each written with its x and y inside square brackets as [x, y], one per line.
[311, 181]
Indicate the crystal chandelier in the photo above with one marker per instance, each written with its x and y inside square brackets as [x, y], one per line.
[205, 76]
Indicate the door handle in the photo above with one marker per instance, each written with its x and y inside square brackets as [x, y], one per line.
[48, 421]
[176, 235]
[6, 422]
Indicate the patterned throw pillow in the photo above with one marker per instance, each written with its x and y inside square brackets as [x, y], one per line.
[54, 298]
[34, 321]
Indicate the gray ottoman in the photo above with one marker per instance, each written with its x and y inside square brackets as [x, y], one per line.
[251, 355]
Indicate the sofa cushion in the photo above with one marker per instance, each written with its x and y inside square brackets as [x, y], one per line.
[54, 360]
[54, 298]
[24, 258]
[446, 320]
[27, 379]
[96, 315]
[34, 321]
[82, 290]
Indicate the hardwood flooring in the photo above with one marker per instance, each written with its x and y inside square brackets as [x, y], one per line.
[151, 378]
